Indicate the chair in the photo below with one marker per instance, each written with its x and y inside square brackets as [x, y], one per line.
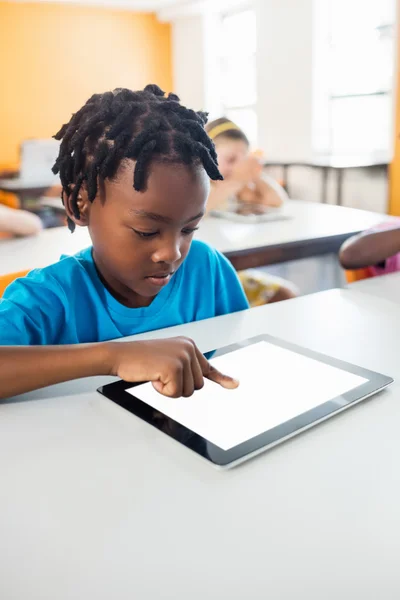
[10, 200]
[358, 275]
[5, 280]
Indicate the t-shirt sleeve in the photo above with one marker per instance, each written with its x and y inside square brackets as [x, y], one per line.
[31, 311]
[230, 296]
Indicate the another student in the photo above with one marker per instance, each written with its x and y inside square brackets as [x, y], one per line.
[377, 249]
[245, 184]
[18, 222]
[135, 169]
[244, 180]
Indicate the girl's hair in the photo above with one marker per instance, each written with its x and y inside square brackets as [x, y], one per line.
[143, 126]
[224, 128]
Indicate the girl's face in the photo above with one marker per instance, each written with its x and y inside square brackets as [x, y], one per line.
[230, 153]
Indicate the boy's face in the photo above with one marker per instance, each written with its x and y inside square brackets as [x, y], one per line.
[141, 238]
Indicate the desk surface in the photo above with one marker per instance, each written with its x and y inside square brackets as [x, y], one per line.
[312, 229]
[387, 287]
[97, 504]
[18, 184]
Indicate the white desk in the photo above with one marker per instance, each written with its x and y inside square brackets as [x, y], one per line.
[28, 189]
[314, 229]
[41, 250]
[16, 184]
[97, 504]
[387, 286]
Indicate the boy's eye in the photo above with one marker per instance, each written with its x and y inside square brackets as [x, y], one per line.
[189, 231]
[145, 234]
[151, 234]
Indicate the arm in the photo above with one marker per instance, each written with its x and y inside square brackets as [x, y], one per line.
[220, 193]
[31, 313]
[23, 369]
[369, 249]
[175, 366]
[268, 192]
[19, 222]
[244, 173]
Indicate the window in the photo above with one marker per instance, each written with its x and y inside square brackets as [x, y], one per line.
[237, 51]
[357, 84]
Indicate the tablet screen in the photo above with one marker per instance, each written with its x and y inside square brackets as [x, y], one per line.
[276, 385]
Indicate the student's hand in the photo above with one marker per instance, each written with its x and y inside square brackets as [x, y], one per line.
[247, 195]
[259, 154]
[247, 170]
[175, 366]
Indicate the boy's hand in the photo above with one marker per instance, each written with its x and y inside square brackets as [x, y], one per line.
[175, 366]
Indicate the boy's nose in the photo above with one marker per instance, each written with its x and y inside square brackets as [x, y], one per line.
[168, 253]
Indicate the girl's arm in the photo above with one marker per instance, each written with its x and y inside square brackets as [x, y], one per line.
[220, 193]
[245, 172]
[370, 249]
[268, 192]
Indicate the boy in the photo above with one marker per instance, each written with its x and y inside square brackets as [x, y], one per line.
[135, 169]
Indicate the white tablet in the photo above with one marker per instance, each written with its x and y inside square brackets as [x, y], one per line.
[284, 390]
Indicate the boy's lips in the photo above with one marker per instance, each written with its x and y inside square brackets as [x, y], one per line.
[159, 279]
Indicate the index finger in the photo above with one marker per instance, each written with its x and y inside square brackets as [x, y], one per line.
[211, 373]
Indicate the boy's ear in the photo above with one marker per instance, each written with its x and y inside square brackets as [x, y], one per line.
[83, 204]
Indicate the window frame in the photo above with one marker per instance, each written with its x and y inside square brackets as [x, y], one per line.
[253, 107]
[324, 97]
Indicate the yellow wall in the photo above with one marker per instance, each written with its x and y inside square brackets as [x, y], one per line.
[394, 172]
[54, 57]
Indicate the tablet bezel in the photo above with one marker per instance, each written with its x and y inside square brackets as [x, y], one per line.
[116, 392]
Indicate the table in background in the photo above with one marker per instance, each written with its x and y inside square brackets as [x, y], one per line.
[26, 189]
[326, 164]
[314, 229]
[95, 503]
[29, 193]
[385, 286]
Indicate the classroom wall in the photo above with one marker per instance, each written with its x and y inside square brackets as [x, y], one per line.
[54, 57]
[288, 62]
[284, 73]
[284, 77]
[286, 68]
[188, 60]
[196, 73]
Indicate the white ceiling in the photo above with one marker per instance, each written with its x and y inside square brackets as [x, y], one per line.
[140, 5]
[167, 10]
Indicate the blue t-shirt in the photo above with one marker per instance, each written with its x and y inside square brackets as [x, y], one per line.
[66, 303]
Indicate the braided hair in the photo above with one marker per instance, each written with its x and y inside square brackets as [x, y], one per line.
[141, 126]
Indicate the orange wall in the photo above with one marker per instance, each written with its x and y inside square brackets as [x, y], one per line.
[54, 57]
[394, 172]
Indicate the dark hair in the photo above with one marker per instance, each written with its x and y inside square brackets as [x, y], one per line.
[231, 134]
[122, 124]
